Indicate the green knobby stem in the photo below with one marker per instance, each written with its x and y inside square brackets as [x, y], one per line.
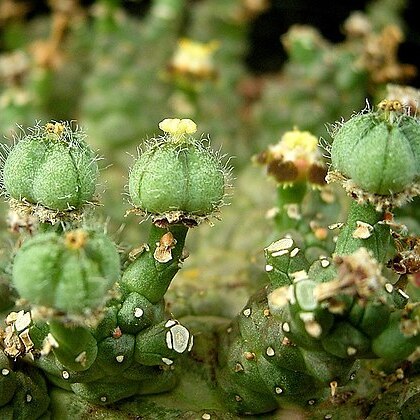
[260, 369]
[283, 258]
[299, 209]
[287, 197]
[147, 275]
[23, 394]
[343, 318]
[363, 230]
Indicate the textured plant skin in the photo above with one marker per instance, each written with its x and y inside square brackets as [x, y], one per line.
[372, 148]
[177, 174]
[193, 181]
[133, 348]
[119, 73]
[69, 273]
[148, 277]
[304, 344]
[377, 238]
[51, 166]
[101, 353]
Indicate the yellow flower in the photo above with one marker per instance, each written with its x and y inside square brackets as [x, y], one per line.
[297, 144]
[194, 58]
[296, 157]
[178, 127]
[76, 239]
[300, 140]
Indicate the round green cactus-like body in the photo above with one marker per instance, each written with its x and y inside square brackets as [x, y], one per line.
[55, 169]
[185, 177]
[69, 273]
[380, 155]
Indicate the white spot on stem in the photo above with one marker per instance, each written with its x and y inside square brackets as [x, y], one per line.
[138, 312]
[247, 312]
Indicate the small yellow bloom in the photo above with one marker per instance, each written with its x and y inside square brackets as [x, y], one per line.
[194, 59]
[195, 48]
[178, 127]
[295, 145]
[56, 128]
[302, 140]
[295, 157]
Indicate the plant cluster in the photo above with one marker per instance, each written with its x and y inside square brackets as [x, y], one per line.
[310, 312]
[93, 323]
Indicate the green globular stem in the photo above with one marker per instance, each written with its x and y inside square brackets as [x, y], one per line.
[364, 230]
[260, 368]
[289, 199]
[69, 273]
[52, 167]
[152, 272]
[45, 227]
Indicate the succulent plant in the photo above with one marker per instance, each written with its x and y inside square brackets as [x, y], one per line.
[177, 178]
[315, 320]
[91, 264]
[306, 206]
[51, 169]
[295, 341]
[312, 313]
[109, 345]
[384, 141]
